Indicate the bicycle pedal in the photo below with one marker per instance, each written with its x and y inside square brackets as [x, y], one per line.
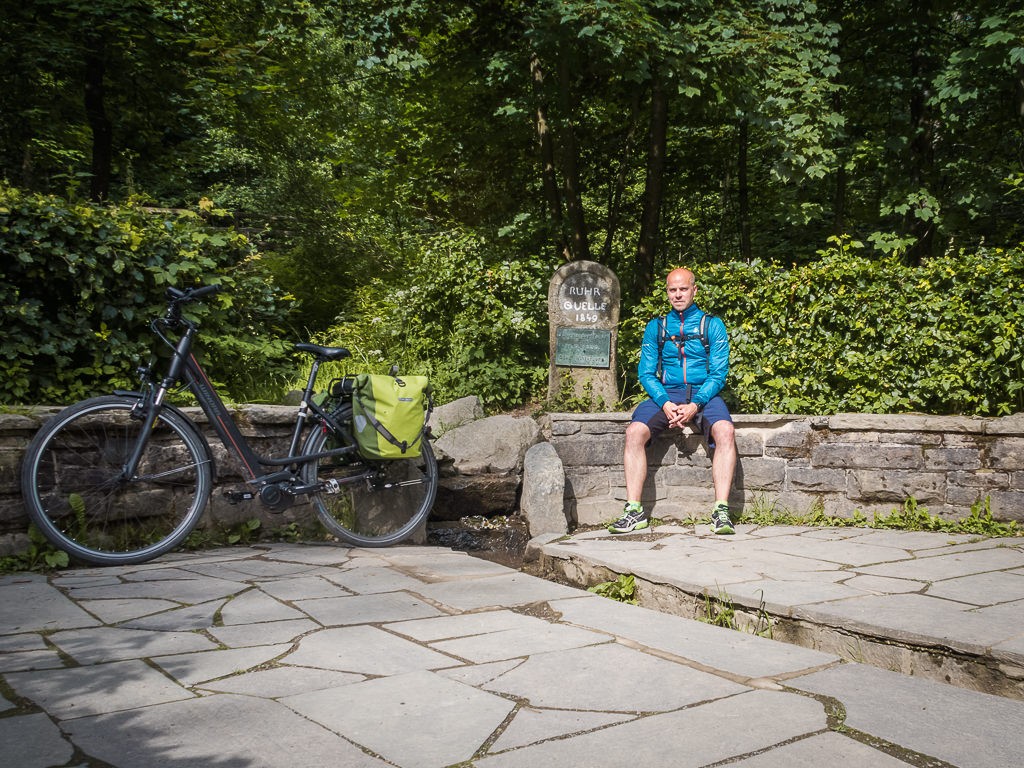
[234, 497]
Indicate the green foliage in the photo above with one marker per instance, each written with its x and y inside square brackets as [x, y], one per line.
[908, 517]
[245, 532]
[569, 400]
[719, 612]
[848, 333]
[622, 590]
[461, 312]
[40, 555]
[79, 284]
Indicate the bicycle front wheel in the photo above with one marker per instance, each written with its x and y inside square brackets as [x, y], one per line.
[74, 488]
[371, 504]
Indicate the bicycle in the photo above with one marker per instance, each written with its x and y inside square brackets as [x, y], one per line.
[123, 478]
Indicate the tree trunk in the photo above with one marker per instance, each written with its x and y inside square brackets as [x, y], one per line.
[653, 188]
[578, 245]
[618, 187]
[744, 191]
[839, 201]
[922, 155]
[547, 159]
[99, 123]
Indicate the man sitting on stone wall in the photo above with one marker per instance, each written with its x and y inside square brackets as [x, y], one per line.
[683, 364]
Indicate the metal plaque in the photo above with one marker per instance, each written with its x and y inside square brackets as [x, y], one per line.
[583, 348]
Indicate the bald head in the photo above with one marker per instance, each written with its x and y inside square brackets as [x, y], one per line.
[681, 286]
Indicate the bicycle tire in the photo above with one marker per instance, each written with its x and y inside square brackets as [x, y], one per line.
[73, 493]
[371, 513]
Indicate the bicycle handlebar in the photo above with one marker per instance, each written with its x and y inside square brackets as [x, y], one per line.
[178, 296]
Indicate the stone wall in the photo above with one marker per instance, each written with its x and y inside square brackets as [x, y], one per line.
[268, 429]
[844, 462]
[481, 465]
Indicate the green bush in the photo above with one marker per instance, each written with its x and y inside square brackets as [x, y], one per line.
[463, 312]
[79, 283]
[848, 333]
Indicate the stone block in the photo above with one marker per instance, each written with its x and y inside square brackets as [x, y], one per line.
[816, 480]
[896, 485]
[455, 414]
[861, 457]
[802, 503]
[983, 478]
[10, 461]
[793, 441]
[1007, 505]
[945, 459]
[495, 444]
[848, 437]
[543, 492]
[590, 450]
[904, 422]
[562, 428]
[666, 510]
[596, 512]
[966, 496]
[610, 424]
[581, 482]
[761, 474]
[663, 451]
[749, 443]
[685, 477]
[12, 513]
[911, 438]
[956, 440]
[693, 506]
[28, 423]
[1007, 453]
[1006, 425]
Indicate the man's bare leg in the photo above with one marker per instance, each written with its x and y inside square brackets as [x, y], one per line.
[723, 463]
[634, 459]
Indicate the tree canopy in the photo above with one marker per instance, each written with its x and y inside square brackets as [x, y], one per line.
[356, 142]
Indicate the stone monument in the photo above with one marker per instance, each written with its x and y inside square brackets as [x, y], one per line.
[583, 321]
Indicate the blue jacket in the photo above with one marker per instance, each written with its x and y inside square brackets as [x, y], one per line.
[689, 368]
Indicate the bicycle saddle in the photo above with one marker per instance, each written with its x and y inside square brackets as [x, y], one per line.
[324, 353]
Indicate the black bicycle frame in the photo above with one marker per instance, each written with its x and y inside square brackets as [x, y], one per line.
[185, 367]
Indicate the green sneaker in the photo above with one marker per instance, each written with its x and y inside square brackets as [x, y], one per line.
[633, 519]
[720, 522]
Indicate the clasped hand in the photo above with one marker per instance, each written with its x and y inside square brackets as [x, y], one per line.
[679, 413]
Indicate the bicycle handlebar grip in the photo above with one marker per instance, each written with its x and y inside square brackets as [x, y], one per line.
[200, 292]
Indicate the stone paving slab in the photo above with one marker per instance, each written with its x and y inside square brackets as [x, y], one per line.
[419, 657]
[959, 594]
[822, 749]
[33, 741]
[80, 691]
[225, 731]
[951, 724]
[51, 610]
[736, 653]
[694, 736]
[437, 721]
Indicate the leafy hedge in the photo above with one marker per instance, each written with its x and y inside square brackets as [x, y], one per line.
[848, 333]
[79, 283]
[461, 311]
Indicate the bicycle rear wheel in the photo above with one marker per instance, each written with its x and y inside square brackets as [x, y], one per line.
[72, 484]
[378, 510]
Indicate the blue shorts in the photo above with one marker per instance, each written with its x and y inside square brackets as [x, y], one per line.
[650, 414]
